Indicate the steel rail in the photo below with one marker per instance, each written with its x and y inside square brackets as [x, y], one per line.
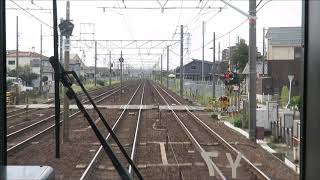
[20, 144]
[227, 145]
[18, 112]
[13, 134]
[137, 129]
[194, 141]
[94, 161]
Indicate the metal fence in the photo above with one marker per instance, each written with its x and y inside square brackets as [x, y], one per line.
[198, 88]
[281, 134]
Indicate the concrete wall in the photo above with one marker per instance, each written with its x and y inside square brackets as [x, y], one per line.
[281, 53]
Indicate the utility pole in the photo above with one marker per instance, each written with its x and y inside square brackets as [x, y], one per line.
[167, 67]
[61, 45]
[214, 68]
[110, 66]
[56, 81]
[17, 60]
[95, 63]
[66, 123]
[252, 71]
[3, 88]
[181, 60]
[161, 69]
[229, 54]
[202, 65]
[17, 48]
[219, 51]
[41, 68]
[263, 51]
[121, 61]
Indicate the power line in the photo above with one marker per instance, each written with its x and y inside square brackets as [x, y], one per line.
[199, 25]
[263, 5]
[259, 3]
[197, 16]
[231, 29]
[32, 15]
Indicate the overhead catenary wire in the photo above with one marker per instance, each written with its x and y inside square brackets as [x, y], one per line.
[30, 14]
[233, 29]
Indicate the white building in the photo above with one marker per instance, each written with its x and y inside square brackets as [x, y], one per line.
[25, 58]
[282, 42]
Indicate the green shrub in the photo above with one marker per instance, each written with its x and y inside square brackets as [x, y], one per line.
[284, 96]
[100, 82]
[237, 121]
[295, 101]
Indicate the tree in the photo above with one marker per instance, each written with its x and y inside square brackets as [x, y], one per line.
[240, 55]
[25, 73]
[284, 96]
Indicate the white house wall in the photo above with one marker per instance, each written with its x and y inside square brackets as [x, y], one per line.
[280, 52]
[23, 61]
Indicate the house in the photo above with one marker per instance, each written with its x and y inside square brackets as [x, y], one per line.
[102, 72]
[283, 42]
[192, 70]
[76, 64]
[26, 58]
[260, 88]
[284, 58]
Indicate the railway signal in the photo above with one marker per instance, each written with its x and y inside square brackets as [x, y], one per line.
[231, 78]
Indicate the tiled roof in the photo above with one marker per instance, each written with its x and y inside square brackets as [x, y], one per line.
[12, 53]
[284, 35]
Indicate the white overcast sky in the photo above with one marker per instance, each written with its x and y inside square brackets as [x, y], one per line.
[147, 24]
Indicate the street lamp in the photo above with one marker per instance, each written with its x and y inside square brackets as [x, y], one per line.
[290, 77]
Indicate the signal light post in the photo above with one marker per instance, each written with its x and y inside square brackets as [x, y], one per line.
[66, 28]
[121, 61]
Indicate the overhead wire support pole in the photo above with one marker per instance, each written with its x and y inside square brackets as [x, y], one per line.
[214, 68]
[202, 64]
[250, 16]
[61, 45]
[181, 60]
[17, 59]
[252, 72]
[95, 63]
[41, 67]
[3, 83]
[56, 80]
[219, 51]
[110, 66]
[161, 69]
[263, 51]
[66, 123]
[167, 67]
[121, 61]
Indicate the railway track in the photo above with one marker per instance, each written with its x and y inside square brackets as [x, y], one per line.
[18, 139]
[206, 141]
[20, 113]
[126, 128]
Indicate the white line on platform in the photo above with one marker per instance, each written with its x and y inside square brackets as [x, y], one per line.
[163, 154]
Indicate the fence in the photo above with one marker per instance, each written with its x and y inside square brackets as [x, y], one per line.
[197, 88]
[198, 91]
[281, 134]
